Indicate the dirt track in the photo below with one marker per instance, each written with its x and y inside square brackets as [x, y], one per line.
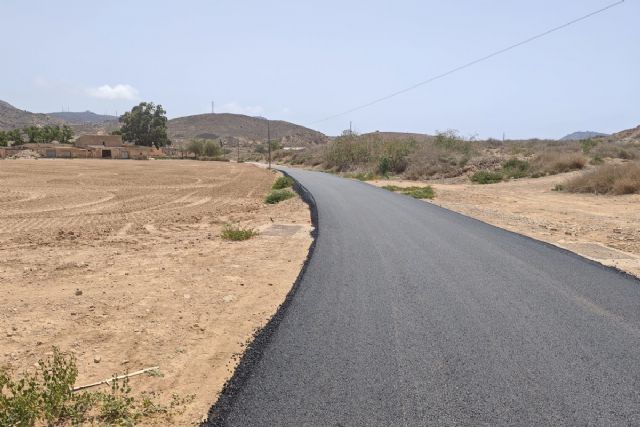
[140, 242]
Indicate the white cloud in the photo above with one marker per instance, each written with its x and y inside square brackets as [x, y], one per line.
[235, 108]
[119, 91]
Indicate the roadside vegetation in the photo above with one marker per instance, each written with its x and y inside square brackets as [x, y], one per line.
[415, 192]
[236, 233]
[282, 182]
[616, 179]
[277, 196]
[447, 155]
[47, 397]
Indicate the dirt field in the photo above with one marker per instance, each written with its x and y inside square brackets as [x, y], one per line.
[121, 263]
[602, 228]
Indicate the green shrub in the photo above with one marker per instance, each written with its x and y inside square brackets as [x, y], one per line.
[384, 166]
[486, 177]
[46, 397]
[277, 196]
[597, 160]
[515, 168]
[282, 182]
[237, 233]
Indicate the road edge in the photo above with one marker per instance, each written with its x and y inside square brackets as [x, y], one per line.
[218, 412]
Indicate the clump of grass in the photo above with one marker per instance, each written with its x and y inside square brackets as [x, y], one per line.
[486, 177]
[237, 233]
[46, 397]
[608, 179]
[282, 182]
[362, 176]
[415, 192]
[277, 196]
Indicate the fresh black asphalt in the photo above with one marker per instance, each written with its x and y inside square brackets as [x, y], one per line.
[412, 315]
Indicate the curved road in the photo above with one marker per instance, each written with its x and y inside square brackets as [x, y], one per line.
[412, 315]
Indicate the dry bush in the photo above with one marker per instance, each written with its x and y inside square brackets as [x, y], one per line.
[616, 151]
[555, 162]
[608, 179]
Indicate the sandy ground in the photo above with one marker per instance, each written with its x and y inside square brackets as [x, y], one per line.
[121, 263]
[602, 228]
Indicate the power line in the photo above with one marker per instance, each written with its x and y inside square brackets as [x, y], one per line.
[474, 62]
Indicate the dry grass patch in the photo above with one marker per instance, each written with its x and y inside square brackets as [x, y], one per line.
[608, 179]
[552, 163]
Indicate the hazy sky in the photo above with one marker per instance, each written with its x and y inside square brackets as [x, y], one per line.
[304, 60]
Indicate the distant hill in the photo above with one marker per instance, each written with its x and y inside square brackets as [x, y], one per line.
[12, 118]
[577, 136]
[246, 128]
[83, 117]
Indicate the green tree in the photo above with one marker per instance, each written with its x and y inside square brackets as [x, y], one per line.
[33, 133]
[196, 147]
[15, 135]
[4, 139]
[145, 124]
[66, 134]
[211, 148]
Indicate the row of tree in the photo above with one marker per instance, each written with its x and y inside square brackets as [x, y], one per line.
[42, 135]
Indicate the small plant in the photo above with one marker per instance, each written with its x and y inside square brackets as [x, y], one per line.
[282, 182]
[277, 196]
[597, 160]
[237, 233]
[587, 145]
[46, 397]
[558, 187]
[486, 177]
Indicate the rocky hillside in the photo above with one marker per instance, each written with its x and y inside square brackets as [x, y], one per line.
[83, 117]
[246, 128]
[12, 118]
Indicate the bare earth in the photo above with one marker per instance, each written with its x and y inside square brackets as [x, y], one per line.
[140, 242]
[602, 228]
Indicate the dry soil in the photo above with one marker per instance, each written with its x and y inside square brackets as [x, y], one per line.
[121, 263]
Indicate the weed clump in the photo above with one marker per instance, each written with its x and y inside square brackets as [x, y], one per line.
[486, 177]
[237, 233]
[282, 182]
[46, 397]
[415, 192]
[277, 196]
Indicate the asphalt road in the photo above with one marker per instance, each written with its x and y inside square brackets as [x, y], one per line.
[412, 315]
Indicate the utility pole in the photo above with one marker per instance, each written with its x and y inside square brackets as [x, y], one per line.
[213, 110]
[269, 141]
[238, 158]
[350, 131]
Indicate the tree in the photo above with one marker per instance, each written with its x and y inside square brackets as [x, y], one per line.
[4, 139]
[211, 148]
[196, 147]
[15, 136]
[66, 134]
[145, 124]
